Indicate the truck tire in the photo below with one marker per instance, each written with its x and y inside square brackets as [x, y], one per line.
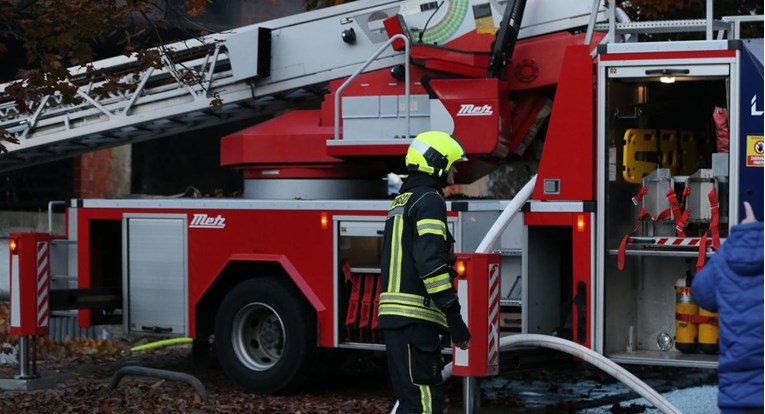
[265, 336]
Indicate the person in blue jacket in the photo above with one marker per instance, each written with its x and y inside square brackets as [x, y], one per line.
[731, 284]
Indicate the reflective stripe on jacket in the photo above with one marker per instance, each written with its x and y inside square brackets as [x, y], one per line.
[415, 257]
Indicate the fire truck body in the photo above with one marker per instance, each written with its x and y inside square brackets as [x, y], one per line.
[633, 189]
[177, 266]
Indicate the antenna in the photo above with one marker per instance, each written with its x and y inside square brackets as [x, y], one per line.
[422, 33]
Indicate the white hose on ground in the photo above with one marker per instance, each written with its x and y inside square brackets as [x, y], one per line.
[590, 356]
[506, 217]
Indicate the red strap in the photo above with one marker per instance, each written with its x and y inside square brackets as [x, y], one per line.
[664, 214]
[680, 223]
[704, 320]
[377, 301]
[673, 204]
[622, 248]
[681, 217]
[686, 191]
[623, 245]
[639, 196]
[702, 252]
[347, 270]
[715, 210]
[684, 317]
[366, 303]
[353, 301]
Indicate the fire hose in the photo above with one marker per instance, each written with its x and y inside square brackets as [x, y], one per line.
[590, 356]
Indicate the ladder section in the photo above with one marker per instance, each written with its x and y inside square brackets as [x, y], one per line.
[619, 25]
[239, 74]
[254, 71]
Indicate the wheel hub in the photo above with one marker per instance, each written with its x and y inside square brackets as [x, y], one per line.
[258, 336]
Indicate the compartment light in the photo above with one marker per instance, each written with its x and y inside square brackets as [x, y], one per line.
[667, 79]
[667, 75]
[580, 223]
[459, 267]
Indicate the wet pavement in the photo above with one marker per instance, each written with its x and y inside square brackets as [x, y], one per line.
[551, 383]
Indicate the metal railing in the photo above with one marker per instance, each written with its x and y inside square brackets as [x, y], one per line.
[618, 23]
[735, 22]
[364, 66]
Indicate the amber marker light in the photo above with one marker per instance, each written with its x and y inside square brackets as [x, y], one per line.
[459, 267]
[13, 246]
[324, 221]
[580, 223]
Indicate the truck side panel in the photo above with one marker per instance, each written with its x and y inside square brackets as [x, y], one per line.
[218, 237]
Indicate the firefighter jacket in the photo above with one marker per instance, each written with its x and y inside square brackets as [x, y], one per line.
[731, 284]
[416, 270]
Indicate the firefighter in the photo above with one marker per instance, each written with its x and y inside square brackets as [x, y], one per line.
[418, 303]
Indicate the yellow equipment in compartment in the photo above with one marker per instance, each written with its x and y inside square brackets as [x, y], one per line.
[708, 332]
[686, 331]
[695, 327]
[648, 149]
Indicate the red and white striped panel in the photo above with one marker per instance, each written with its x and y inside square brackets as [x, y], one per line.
[43, 284]
[678, 241]
[492, 358]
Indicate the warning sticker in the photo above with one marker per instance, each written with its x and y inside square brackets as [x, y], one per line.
[754, 150]
[484, 23]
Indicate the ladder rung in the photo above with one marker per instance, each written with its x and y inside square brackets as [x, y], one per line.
[664, 26]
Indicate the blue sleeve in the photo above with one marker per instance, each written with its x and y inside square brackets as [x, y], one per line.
[704, 287]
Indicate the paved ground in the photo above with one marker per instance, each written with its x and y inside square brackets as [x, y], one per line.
[549, 382]
[539, 382]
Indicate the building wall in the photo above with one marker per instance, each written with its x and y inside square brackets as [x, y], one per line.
[102, 174]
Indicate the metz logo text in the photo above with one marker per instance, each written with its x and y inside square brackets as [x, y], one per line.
[475, 110]
[206, 221]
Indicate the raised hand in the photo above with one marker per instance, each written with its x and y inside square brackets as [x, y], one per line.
[749, 214]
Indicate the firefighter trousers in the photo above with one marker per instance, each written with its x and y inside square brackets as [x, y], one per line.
[414, 365]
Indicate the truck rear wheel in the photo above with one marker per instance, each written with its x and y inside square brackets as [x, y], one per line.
[265, 336]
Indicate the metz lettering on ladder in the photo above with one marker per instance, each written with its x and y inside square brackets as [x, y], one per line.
[475, 110]
[204, 221]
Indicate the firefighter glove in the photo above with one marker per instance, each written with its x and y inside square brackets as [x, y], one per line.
[457, 328]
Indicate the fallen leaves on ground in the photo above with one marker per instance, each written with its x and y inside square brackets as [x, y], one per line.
[47, 349]
[82, 385]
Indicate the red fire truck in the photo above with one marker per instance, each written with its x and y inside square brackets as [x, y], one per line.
[633, 191]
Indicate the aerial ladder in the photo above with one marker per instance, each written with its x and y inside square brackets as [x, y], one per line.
[244, 73]
[485, 72]
[263, 69]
